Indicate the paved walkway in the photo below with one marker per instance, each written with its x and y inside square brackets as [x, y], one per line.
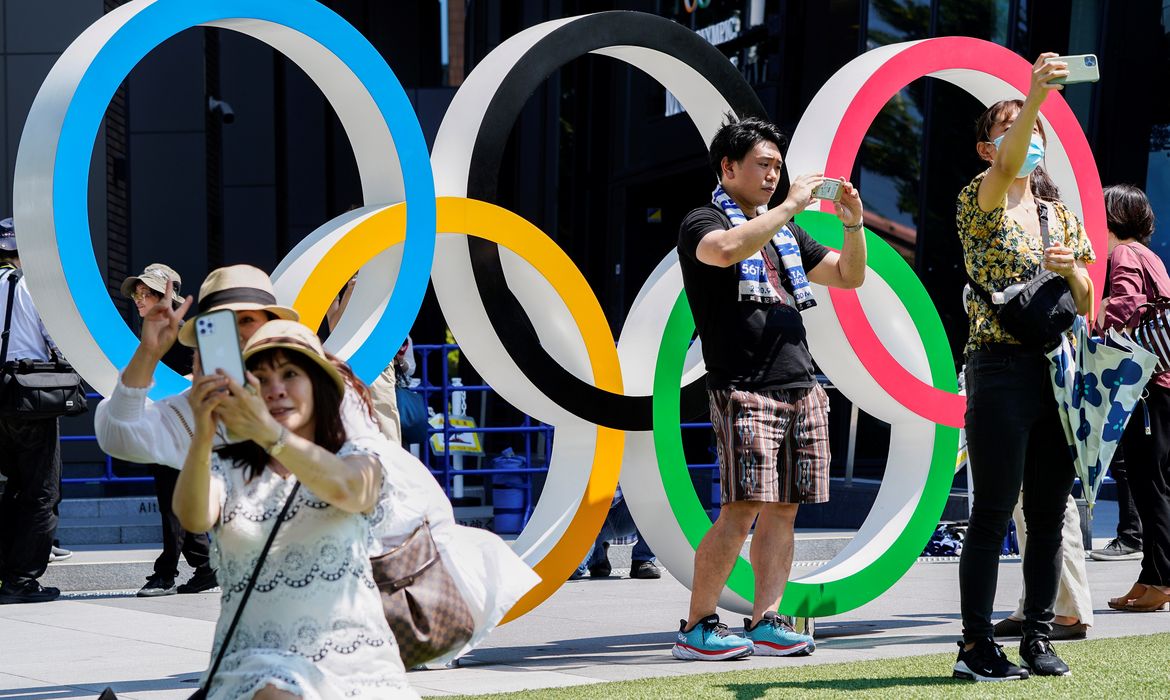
[591, 631]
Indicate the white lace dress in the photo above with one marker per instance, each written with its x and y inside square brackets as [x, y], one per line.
[313, 625]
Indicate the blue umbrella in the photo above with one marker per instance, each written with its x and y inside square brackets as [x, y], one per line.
[1097, 382]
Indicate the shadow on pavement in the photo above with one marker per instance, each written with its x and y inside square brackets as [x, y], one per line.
[654, 648]
[92, 690]
[832, 630]
[616, 649]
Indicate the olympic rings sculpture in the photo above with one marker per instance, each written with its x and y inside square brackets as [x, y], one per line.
[616, 406]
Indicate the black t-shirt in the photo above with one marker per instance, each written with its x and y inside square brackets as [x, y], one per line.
[746, 345]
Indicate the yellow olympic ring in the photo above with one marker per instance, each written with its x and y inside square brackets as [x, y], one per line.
[456, 215]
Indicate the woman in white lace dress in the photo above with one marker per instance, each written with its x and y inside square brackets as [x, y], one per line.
[313, 626]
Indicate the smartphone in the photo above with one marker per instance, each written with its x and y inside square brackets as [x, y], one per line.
[831, 189]
[218, 340]
[1082, 68]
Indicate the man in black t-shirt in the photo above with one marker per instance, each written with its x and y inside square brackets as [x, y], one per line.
[746, 271]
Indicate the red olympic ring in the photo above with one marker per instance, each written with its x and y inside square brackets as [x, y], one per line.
[921, 60]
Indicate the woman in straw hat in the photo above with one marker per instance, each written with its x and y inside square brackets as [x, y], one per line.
[313, 626]
[128, 427]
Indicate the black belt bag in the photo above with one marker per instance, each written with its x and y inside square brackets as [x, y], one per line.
[33, 389]
[1039, 311]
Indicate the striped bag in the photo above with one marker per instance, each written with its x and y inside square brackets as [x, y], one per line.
[1152, 331]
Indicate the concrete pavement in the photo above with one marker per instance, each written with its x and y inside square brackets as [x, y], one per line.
[589, 632]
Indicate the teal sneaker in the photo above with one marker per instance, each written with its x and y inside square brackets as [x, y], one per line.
[710, 640]
[775, 637]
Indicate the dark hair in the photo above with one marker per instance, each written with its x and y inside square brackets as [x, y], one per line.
[736, 137]
[1042, 185]
[1128, 213]
[359, 387]
[329, 431]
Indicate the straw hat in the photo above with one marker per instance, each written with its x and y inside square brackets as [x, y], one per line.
[239, 288]
[295, 337]
[155, 277]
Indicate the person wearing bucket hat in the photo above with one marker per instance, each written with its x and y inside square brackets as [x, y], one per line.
[32, 463]
[131, 428]
[296, 447]
[148, 290]
[151, 285]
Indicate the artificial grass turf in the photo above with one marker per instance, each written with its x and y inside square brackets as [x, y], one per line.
[1115, 669]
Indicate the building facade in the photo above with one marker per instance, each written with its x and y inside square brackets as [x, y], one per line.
[217, 150]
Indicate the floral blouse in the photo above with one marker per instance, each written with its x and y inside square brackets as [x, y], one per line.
[998, 253]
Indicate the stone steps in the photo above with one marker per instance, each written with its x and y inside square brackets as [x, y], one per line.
[94, 521]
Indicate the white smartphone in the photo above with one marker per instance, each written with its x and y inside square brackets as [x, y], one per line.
[218, 340]
[830, 189]
[1082, 68]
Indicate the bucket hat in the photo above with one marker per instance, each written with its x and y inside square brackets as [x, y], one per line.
[155, 277]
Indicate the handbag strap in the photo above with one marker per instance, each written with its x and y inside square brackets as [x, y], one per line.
[13, 278]
[1042, 212]
[227, 637]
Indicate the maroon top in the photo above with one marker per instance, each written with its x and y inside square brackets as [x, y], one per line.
[1136, 276]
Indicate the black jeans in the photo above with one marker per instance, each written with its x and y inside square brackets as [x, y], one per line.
[30, 457]
[1129, 523]
[194, 546]
[1014, 438]
[1148, 461]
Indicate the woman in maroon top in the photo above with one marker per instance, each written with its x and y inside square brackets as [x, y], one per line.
[1137, 275]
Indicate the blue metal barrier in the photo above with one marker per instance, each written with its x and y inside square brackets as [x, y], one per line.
[108, 476]
[442, 466]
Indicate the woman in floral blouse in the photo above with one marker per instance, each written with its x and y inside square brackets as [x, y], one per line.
[1014, 435]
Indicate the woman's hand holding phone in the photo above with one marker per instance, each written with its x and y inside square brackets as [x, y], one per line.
[1044, 72]
[205, 397]
[245, 413]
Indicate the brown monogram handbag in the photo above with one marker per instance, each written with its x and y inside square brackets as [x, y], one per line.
[425, 610]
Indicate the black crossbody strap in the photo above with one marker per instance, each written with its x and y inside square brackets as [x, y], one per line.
[978, 289]
[227, 637]
[13, 278]
[1042, 211]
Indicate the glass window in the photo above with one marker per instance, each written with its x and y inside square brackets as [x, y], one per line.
[984, 19]
[1158, 168]
[890, 155]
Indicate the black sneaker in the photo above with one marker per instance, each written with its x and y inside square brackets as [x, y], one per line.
[31, 592]
[157, 585]
[644, 569]
[601, 568]
[986, 662]
[1038, 656]
[201, 580]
